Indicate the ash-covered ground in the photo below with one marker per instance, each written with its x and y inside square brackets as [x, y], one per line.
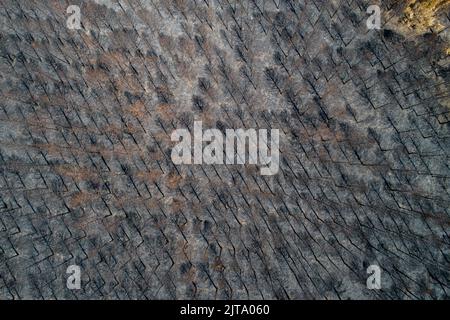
[86, 176]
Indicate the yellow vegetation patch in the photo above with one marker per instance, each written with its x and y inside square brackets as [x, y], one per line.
[165, 111]
[174, 181]
[82, 199]
[76, 173]
[148, 176]
[421, 14]
[137, 109]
